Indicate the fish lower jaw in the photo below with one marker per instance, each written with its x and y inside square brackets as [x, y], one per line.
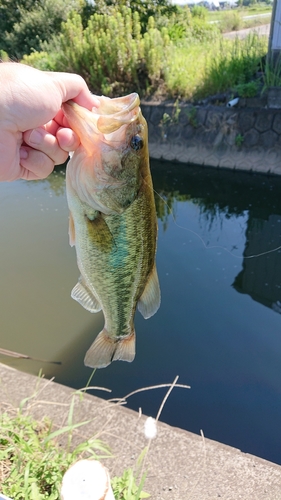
[106, 349]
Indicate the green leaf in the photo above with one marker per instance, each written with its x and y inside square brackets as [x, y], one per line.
[65, 429]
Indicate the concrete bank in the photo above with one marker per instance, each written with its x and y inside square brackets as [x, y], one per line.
[181, 465]
[243, 138]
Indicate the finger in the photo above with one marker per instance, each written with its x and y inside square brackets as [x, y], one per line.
[60, 118]
[51, 127]
[67, 139]
[34, 164]
[41, 140]
[74, 87]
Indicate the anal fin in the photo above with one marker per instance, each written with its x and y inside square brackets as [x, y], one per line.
[104, 350]
[150, 300]
[85, 297]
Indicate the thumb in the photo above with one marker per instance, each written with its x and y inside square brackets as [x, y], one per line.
[74, 87]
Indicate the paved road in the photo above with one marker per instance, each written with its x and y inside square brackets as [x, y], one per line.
[261, 30]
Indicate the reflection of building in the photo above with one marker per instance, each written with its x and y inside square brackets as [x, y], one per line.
[261, 276]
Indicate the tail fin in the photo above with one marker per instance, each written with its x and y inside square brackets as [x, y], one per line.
[104, 350]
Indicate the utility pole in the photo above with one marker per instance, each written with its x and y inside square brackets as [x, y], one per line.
[274, 46]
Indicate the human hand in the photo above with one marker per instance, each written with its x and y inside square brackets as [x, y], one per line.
[34, 134]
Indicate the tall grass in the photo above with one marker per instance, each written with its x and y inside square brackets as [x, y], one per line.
[271, 73]
[199, 70]
[185, 70]
[231, 63]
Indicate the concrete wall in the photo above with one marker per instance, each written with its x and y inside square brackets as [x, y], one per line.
[244, 138]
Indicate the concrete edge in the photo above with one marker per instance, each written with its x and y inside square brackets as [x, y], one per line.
[181, 465]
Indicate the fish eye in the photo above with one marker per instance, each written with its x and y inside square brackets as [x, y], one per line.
[136, 143]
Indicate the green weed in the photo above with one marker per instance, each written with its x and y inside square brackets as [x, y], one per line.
[171, 119]
[249, 89]
[125, 487]
[271, 73]
[32, 459]
[239, 139]
[191, 115]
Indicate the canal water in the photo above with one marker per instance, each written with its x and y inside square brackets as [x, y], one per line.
[219, 325]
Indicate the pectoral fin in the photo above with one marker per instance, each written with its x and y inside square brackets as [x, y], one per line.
[71, 231]
[85, 297]
[150, 300]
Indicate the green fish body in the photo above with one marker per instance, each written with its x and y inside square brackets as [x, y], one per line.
[113, 222]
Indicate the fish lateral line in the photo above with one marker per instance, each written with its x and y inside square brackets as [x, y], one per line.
[241, 257]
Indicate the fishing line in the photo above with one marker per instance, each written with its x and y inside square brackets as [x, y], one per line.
[203, 242]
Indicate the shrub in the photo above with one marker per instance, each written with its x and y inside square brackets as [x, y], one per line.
[199, 11]
[183, 26]
[249, 89]
[42, 60]
[111, 54]
[4, 56]
[23, 29]
[144, 8]
[231, 21]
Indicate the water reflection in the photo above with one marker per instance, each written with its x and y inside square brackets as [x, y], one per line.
[225, 197]
[224, 344]
[261, 276]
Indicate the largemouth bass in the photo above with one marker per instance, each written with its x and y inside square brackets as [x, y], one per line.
[112, 222]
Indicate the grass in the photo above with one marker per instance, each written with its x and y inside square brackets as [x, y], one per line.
[32, 458]
[271, 74]
[235, 62]
[35, 454]
[237, 19]
[32, 461]
[199, 70]
[185, 70]
[218, 15]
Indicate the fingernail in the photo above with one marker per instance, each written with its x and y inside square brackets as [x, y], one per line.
[35, 137]
[23, 154]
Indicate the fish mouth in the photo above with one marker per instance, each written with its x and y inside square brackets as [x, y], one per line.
[108, 117]
[113, 113]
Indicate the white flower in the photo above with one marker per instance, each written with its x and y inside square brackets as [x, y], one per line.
[150, 428]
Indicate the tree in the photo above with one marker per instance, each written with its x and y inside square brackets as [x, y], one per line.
[145, 8]
[26, 24]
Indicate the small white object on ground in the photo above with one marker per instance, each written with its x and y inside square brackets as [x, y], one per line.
[150, 428]
[86, 480]
[233, 102]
